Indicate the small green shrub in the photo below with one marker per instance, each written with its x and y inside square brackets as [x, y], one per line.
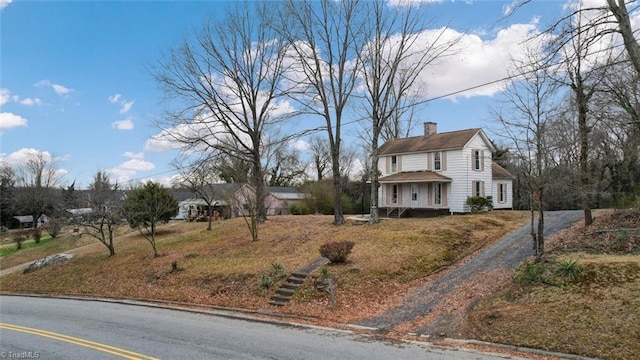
[337, 251]
[479, 203]
[570, 269]
[533, 273]
[191, 255]
[299, 209]
[278, 272]
[265, 282]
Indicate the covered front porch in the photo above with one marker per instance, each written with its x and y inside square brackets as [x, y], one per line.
[414, 194]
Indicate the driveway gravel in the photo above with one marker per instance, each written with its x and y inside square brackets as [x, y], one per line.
[425, 302]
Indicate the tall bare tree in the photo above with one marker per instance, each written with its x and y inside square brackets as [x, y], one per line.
[37, 176]
[324, 39]
[228, 81]
[619, 10]
[398, 51]
[321, 160]
[530, 106]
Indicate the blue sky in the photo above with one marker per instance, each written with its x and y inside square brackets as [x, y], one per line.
[74, 78]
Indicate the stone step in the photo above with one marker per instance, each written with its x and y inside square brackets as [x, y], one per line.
[288, 285]
[286, 292]
[277, 302]
[280, 298]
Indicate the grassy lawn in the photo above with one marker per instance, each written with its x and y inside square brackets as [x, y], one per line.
[223, 267]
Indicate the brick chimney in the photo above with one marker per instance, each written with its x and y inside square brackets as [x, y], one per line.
[430, 128]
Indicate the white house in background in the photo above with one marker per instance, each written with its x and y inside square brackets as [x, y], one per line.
[436, 173]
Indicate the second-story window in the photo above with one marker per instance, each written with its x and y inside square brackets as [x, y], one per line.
[477, 160]
[437, 161]
[394, 163]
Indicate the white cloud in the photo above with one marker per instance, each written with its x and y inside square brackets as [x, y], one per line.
[4, 3]
[114, 98]
[5, 95]
[473, 61]
[10, 120]
[29, 101]
[59, 89]
[128, 169]
[126, 124]
[126, 106]
[20, 157]
[300, 145]
[132, 155]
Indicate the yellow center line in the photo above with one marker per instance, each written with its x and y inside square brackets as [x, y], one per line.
[78, 341]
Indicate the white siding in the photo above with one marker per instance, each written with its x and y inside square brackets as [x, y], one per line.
[496, 195]
[414, 162]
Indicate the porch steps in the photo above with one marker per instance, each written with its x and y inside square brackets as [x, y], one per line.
[288, 288]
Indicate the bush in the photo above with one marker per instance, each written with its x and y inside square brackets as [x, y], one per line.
[337, 251]
[299, 209]
[479, 203]
[570, 269]
[37, 235]
[53, 228]
[19, 238]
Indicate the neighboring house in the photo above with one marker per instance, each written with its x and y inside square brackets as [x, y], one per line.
[436, 173]
[232, 200]
[25, 221]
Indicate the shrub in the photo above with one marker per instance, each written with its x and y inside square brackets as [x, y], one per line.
[337, 251]
[53, 228]
[265, 282]
[570, 269]
[479, 203]
[37, 235]
[278, 272]
[19, 238]
[299, 209]
[533, 273]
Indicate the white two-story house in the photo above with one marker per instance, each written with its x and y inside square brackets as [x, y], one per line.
[437, 172]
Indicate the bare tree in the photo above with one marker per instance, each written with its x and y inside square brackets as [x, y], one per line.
[530, 106]
[106, 202]
[583, 81]
[324, 39]
[38, 176]
[391, 62]
[228, 79]
[200, 179]
[619, 10]
[321, 161]
[285, 167]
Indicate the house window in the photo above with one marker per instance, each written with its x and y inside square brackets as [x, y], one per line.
[477, 160]
[414, 192]
[394, 193]
[437, 162]
[394, 163]
[477, 188]
[437, 194]
[502, 193]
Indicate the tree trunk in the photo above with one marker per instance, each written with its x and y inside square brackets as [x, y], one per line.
[621, 14]
[583, 135]
[374, 215]
[338, 216]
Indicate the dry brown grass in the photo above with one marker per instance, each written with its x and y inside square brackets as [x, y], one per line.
[597, 314]
[223, 267]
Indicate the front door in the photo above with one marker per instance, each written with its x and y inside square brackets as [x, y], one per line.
[414, 195]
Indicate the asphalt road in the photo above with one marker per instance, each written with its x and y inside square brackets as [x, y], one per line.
[49, 328]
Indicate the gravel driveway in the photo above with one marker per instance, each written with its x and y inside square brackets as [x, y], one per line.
[508, 253]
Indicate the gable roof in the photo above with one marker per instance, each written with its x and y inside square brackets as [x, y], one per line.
[438, 141]
[498, 172]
